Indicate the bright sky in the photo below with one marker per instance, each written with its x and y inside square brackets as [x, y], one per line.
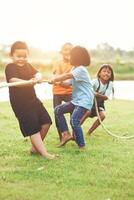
[47, 24]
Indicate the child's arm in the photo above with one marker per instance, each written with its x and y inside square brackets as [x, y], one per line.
[61, 77]
[101, 96]
[23, 83]
[66, 84]
[37, 79]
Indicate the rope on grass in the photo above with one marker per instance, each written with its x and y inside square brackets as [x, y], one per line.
[106, 130]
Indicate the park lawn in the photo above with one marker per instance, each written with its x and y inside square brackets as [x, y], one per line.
[104, 171]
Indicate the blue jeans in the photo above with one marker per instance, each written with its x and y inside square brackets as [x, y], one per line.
[58, 99]
[77, 113]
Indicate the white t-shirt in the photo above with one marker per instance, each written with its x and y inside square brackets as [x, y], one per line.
[105, 89]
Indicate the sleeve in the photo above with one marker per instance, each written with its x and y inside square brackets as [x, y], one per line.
[95, 84]
[78, 74]
[33, 70]
[10, 72]
[108, 92]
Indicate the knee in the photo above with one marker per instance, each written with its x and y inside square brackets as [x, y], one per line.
[87, 114]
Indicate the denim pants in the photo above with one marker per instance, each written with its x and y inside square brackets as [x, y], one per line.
[58, 99]
[77, 113]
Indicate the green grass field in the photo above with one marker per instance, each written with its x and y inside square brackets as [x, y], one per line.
[104, 171]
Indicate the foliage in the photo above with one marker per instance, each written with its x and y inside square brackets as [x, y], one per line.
[122, 71]
[121, 60]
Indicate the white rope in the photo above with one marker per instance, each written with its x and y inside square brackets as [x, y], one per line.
[19, 83]
[106, 130]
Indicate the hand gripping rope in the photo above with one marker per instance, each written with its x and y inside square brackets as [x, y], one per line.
[106, 130]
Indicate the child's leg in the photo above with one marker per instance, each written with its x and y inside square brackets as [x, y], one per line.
[62, 124]
[66, 136]
[38, 145]
[44, 130]
[85, 116]
[43, 133]
[77, 114]
[57, 101]
[96, 123]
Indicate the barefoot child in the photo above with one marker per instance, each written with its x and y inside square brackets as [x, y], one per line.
[103, 86]
[33, 118]
[82, 96]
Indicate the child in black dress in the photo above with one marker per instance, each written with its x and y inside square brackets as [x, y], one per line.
[33, 118]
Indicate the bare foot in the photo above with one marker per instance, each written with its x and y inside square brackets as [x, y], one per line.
[47, 155]
[65, 139]
[50, 156]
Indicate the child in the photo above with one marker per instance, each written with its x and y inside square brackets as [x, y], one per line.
[82, 96]
[33, 118]
[61, 93]
[103, 86]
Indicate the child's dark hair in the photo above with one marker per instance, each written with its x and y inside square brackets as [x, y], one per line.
[79, 56]
[18, 45]
[110, 68]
